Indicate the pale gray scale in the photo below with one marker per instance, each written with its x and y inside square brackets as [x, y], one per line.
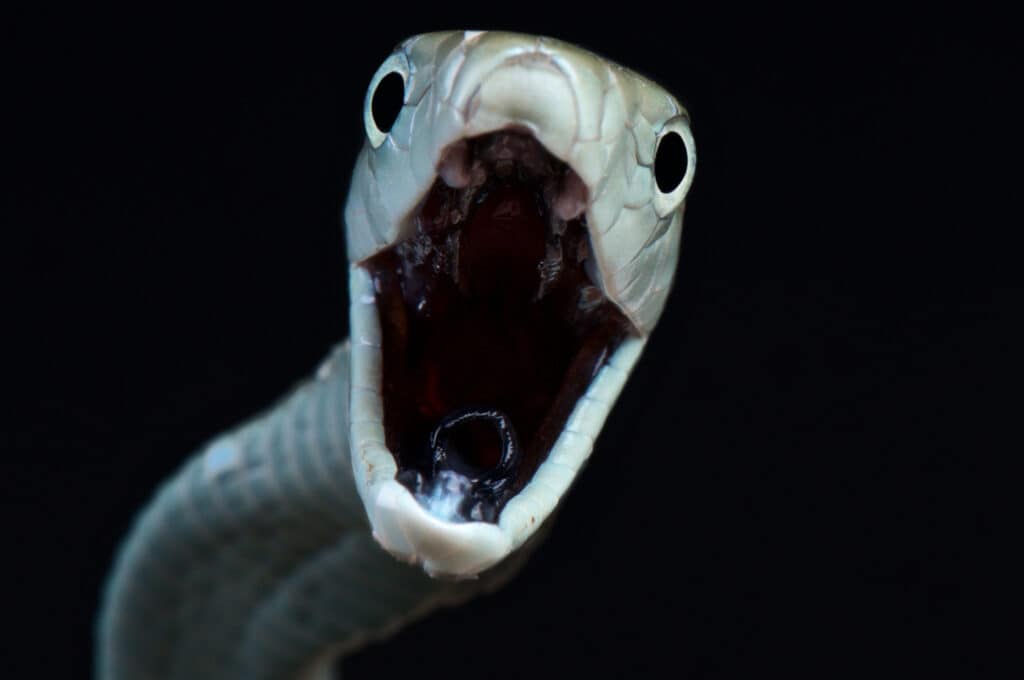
[640, 185]
[417, 96]
[449, 67]
[447, 47]
[574, 91]
[420, 161]
[283, 468]
[669, 253]
[604, 204]
[401, 132]
[207, 534]
[333, 410]
[657, 106]
[587, 84]
[640, 281]
[642, 131]
[219, 512]
[307, 438]
[421, 71]
[366, 232]
[629, 224]
[230, 487]
[318, 447]
[661, 228]
[489, 53]
[373, 200]
[260, 482]
[303, 439]
[188, 510]
[627, 86]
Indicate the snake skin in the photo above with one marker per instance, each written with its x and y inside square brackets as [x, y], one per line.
[255, 561]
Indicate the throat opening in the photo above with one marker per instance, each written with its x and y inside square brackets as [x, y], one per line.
[491, 328]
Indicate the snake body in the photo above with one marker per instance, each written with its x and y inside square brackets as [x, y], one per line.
[262, 557]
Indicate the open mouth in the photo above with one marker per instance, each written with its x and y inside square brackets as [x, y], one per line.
[491, 327]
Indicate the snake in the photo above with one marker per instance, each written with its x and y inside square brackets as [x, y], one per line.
[513, 227]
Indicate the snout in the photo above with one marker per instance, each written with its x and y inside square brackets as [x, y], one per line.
[530, 92]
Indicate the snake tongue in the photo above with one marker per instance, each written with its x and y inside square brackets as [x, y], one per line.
[487, 309]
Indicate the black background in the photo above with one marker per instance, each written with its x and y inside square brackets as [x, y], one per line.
[791, 482]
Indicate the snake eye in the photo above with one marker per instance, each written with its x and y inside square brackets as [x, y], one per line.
[387, 101]
[675, 159]
[670, 162]
[385, 98]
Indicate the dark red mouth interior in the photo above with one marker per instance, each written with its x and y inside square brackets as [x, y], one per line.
[491, 328]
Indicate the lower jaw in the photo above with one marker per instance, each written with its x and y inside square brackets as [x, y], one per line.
[400, 522]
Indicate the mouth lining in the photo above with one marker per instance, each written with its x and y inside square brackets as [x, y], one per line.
[491, 328]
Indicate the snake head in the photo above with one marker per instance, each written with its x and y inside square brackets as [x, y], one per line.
[513, 229]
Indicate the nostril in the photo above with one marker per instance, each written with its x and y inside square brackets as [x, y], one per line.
[479, 443]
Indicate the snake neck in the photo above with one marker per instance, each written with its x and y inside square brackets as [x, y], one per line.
[256, 560]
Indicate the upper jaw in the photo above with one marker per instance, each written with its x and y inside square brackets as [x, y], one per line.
[598, 118]
[489, 93]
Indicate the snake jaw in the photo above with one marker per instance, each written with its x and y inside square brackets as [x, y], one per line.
[604, 124]
[400, 523]
[393, 313]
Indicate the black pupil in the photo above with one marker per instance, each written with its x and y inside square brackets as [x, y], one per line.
[387, 101]
[670, 162]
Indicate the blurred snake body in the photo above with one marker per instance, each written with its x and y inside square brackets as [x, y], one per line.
[287, 543]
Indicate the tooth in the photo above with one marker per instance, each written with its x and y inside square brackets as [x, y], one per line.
[572, 197]
[454, 165]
